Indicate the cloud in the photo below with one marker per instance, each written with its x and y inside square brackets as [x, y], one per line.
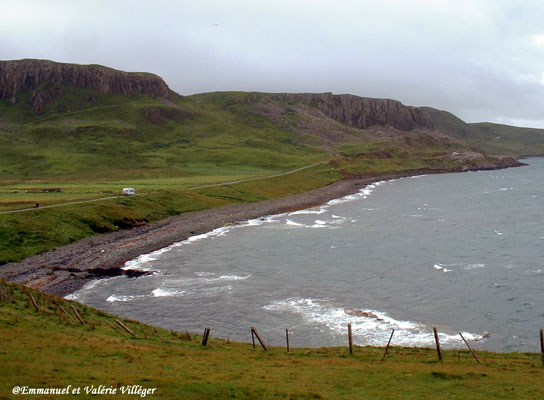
[472, 58]
[538, 40]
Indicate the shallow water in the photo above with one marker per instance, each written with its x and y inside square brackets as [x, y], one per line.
[462, 252]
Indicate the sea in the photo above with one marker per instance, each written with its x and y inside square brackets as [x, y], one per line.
[462, 252]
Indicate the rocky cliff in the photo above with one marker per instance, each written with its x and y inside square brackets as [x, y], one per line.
[24, 75]
[363, 112]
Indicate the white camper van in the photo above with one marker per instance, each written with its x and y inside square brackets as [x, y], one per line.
[129, 192]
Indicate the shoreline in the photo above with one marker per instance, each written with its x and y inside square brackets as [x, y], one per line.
[68, 268]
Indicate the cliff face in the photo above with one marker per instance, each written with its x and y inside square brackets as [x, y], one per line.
[23, 75]
[363, 112]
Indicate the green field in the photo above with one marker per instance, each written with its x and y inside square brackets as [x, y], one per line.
[74, 150]
[49, 349]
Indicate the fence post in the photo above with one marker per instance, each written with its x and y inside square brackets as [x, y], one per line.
[437, 344]
[541, 346]
[113, 327]
[77, 315]
[34, 302]
[388, 343]
[350, 340]
[65, 312]
[470, 348]
[126, 328]
[205, 336]
[254, 330]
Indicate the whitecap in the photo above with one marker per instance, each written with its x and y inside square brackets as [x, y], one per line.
[441, 267]
[160, 292]
[232, 278]
[203, 273]
[293, 223]
[362, 193]
[113, 298]
[369, 327]
[308, 211]
[474, 266]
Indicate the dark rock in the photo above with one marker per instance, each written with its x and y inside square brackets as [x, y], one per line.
[359, 112]
[19, 76]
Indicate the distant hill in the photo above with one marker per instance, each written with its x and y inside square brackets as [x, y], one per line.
[490, 137]
[69, 122]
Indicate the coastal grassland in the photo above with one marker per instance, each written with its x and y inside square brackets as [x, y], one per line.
[26, 233]
[48, 349]
[83, 145]
[74, 149]
[114, 138]
[492, 138]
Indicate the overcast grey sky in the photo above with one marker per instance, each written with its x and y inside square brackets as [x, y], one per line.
[482, 60]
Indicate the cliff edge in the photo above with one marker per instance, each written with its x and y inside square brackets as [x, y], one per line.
[364, 112]
[18, 76]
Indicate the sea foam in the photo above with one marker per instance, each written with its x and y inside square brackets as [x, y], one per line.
[369, 327]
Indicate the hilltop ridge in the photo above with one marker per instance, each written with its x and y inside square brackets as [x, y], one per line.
[19, 76]
[364, 112]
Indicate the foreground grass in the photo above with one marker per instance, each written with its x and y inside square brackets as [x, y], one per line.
[49, 349]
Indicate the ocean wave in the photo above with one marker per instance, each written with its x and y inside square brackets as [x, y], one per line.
[362, 193]
[293, 223]
[442, 268]
[205, 291]
[457, 267]
[369, 327]
[162, 292]
[114, 297]
[204, 283]
[309, 211]
[474, 266]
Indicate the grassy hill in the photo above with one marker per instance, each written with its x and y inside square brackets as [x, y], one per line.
[48, 349]
[489, 137]
[82, 144]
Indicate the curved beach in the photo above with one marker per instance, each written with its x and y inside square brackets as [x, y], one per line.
[67, 268]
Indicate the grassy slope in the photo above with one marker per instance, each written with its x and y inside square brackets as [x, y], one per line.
[47, 349]
[76, 149]
[492, 138]
[115, 137]
[27, 233]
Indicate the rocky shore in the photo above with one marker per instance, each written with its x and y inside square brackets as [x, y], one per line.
[67, 268]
